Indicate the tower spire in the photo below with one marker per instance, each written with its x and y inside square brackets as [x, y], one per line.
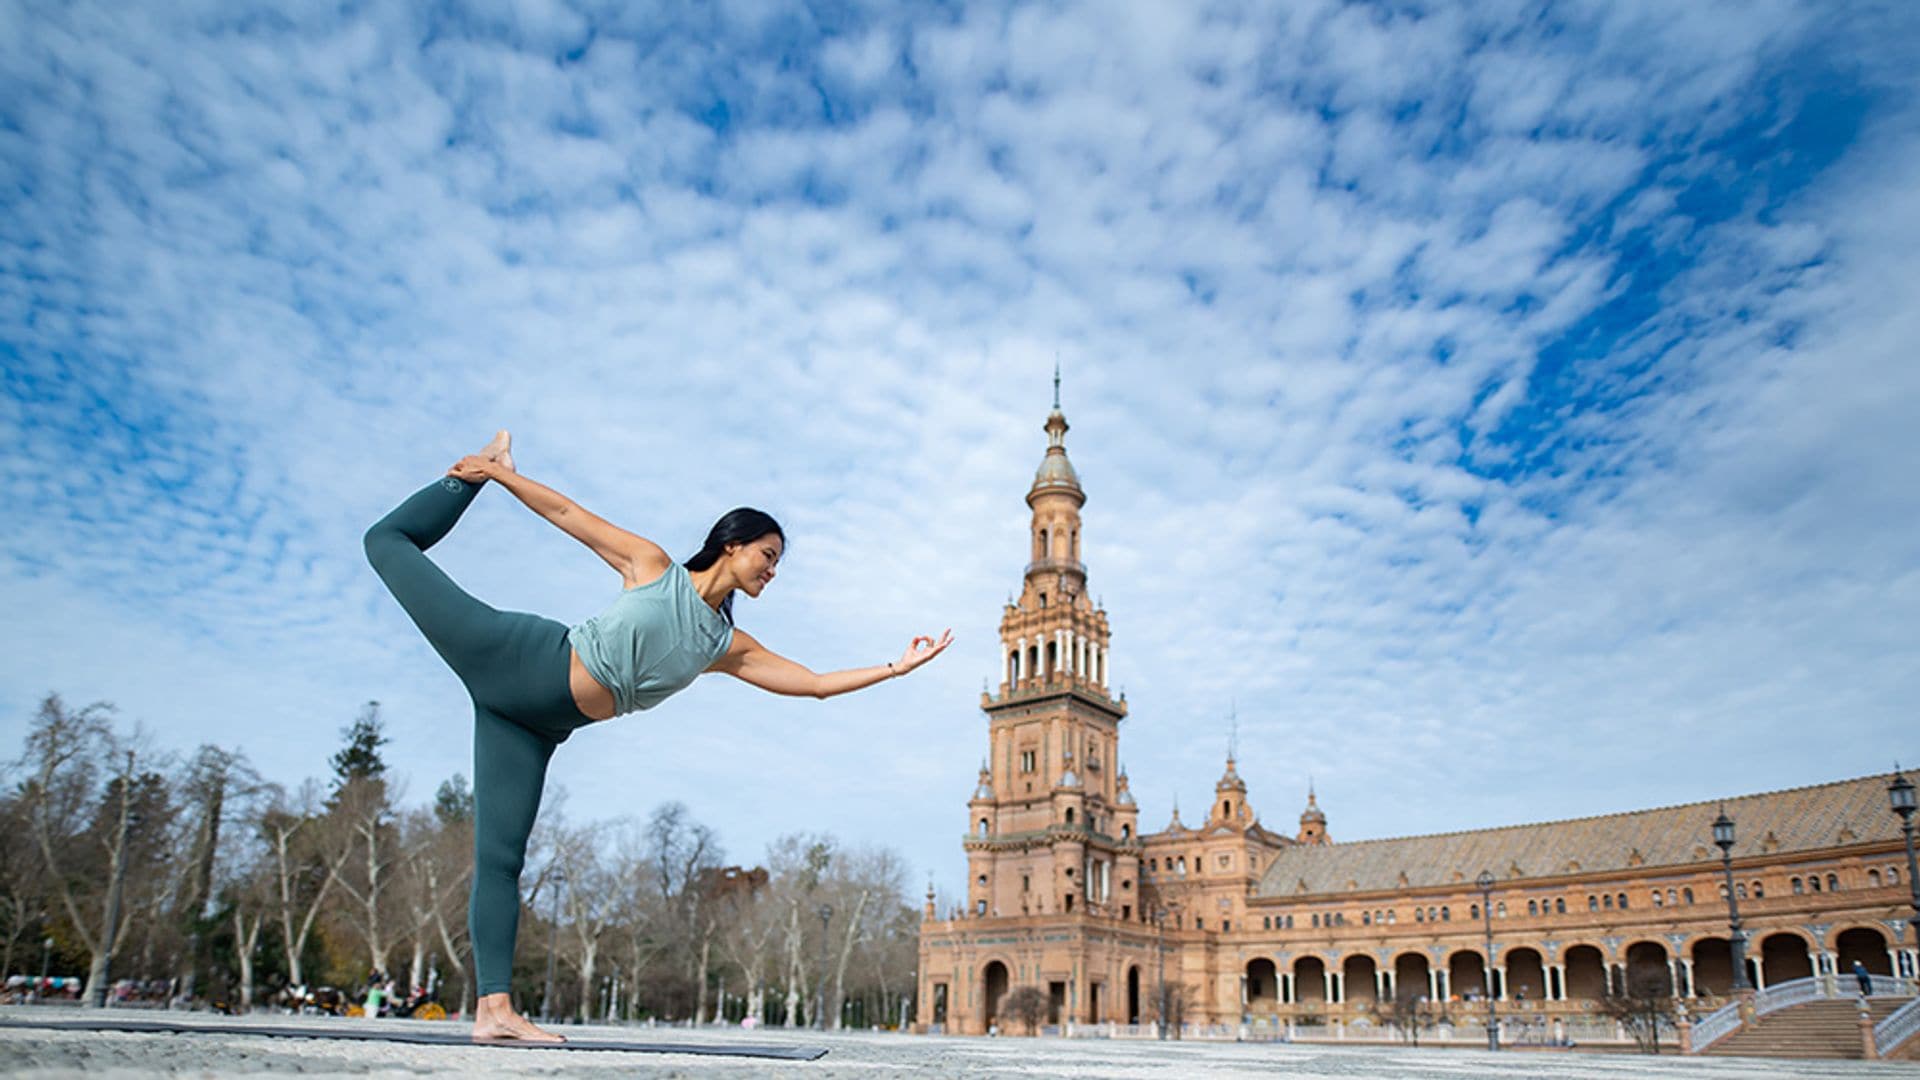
[1056, 381]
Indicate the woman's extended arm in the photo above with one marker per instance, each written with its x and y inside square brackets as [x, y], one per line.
[638, 559]
[751, 662]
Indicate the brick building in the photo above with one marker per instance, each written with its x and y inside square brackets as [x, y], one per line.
[1246, 925]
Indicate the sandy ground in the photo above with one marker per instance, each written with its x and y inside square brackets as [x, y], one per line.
[114, 1056]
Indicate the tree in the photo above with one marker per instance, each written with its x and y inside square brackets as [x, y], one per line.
[453, 801]
[213, 778]
[1027, 1006]
[1409, 1013]
[360, 759]
[304, 869]
[1644, 1007]
[360, 821]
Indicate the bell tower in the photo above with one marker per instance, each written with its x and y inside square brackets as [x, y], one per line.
[1053, 828]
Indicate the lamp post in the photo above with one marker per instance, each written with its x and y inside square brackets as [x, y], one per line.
[1737, 941]
[1160, 956]
[820, 1011]
[553, 946]
[1900, 795]
[1485, 881]
[46, 951]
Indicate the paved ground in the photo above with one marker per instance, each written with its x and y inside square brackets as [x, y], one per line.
[116, 1056]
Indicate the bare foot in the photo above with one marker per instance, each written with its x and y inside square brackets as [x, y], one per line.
[500, 450]
[494, 1020]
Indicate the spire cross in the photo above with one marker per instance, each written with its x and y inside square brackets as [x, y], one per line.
[1056, 380]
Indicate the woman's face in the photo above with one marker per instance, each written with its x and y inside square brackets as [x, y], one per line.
[753, 563]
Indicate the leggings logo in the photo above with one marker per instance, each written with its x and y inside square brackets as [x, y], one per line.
[451, 484]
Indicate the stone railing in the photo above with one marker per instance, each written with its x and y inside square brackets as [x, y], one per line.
[1788, 994]
[1890, 1033]
[1716, 1025]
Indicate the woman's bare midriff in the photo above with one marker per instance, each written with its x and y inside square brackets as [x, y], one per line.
[594, 701]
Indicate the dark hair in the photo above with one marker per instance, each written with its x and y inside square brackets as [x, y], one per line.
[741, 526]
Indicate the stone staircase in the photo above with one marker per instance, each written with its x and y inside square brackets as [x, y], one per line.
[1817, 1029]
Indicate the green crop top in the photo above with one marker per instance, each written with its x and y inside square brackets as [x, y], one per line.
[652, 641]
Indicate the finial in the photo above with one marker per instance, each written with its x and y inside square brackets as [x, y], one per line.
[1056, 380]
[1233, 729]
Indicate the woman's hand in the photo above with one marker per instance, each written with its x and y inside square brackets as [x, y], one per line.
[474, 469]
[920, 651]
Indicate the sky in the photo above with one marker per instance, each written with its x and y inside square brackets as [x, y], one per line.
[1494, 412]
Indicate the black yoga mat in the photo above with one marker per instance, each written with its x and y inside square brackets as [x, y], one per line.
[351, 1029]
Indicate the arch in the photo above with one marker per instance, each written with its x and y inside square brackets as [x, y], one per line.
[1361, 977]
[1126, 832]
[1263, 984]
[1133, 994]
[1712, 967]
[1785, 956]
[1310, 980]
[994, 980]
[1586, 973]
[983, 826]
[1526, 975]
[1865, 944]
[1069, 815]
[1467, 974]
[1648, 969]
[1411, 975]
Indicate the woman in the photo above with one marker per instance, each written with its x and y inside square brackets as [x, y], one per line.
[533, 680]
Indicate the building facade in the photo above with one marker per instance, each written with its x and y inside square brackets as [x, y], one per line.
[1226, 922]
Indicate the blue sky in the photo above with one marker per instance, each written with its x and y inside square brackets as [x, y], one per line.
[1505, 409]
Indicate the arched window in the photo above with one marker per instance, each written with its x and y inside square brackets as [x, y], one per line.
[1069, 901]
[1419, 915]
[1316, 920]
[1446, 915]
[1366, 918]
[1393, 917]
[1533, 908]
[1500, 910]
[1893, 875]
[1671, 899]
[1593, 903]
[980, 907]
[1473, 911]
[1069, 815]
[1813, 882]
[1873, 879]
[1183, 866]
[1560, 906]
[1606, 902]
[1742, 887]
[1687, 894]
[983, 826]
[1339, 918]
[1226, 807]
[1833, 882]
[1659, 900]
[1623, 901]
[1759, 891]
[1289, 922]
[1126, 832]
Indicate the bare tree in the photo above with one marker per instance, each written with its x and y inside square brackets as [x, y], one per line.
[304, 869]
[1027, 1006]
[1644, 1007]
[213, 778]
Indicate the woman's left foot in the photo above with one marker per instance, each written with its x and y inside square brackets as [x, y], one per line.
[500, 450]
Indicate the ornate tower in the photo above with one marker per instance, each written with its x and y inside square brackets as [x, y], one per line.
[1313, 822]
[1052, 827]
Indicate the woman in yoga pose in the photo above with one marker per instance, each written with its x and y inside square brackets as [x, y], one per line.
[533, 680]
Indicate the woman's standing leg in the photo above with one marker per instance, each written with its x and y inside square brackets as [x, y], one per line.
[509, 770]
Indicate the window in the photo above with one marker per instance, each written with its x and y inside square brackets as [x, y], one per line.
[1366, 919]
[1183, 866]
[1658, 900]
[1473, 911]
[1126, 833]
[1069, 815]
[1833, 882]
[1560, 906]
[1533, 908]
[1226, 807]
[1446, 914]
[1606, 902]
[1392, 917]
[980, 907]
[1226, 927]
[1289, 922]
[1500, 909]
[1153, 866]
[1687, 894]
[1813, 882]
[1226, 861]
[1316, 926]
[1126, 912]
[1759, 891]
[1198, 924]
[1026, 883]
[1593, 904]
[1623, 901]
[1419, 915]
[1742, 887]
[1339, 918]
[1873, 879]
[983, 826]
[983, 879]
[1028, 760]
[1671, 899]
[1266, 922]
[1069, 901]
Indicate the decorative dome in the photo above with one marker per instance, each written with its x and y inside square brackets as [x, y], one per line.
[1068, 779]
[1312, 814]
[1125, 798]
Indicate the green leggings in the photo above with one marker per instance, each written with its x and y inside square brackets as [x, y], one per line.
[514, 666]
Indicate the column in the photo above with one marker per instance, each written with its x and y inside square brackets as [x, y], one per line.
[1286, 988]
[1686, 976]
[1020, 658]
[1501, 983]
[1105, 660]
[1559, 982]
[1386, 985]
[1433, 983]
[1759, 971]
[1326, 976]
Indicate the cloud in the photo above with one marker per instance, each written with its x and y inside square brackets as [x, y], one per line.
[1481, 407]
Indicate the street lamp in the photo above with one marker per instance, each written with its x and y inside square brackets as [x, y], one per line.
[553, 946]
[1485, 881]
[820, 1011]
[1737, 943]
[1900, 795]
[46, 951]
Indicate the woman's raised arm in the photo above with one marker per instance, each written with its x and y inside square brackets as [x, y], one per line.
[751, 662]
[637, 559]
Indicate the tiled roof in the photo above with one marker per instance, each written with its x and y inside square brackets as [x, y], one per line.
[1799, 819]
